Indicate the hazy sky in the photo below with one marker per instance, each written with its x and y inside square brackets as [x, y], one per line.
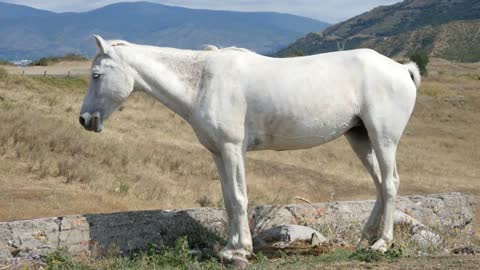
[326, 10]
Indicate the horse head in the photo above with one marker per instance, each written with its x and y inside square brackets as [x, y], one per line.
[111, 82]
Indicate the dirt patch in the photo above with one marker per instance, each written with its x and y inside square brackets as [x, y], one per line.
[305, 248]
[447, 262]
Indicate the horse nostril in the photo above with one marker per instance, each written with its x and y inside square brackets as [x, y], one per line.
[82, 121]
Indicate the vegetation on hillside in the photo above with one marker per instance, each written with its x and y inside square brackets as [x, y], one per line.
[446, 29]
[405, 16]
[46, 61]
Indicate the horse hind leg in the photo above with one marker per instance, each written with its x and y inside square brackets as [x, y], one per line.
[384, 135]
[361, 145]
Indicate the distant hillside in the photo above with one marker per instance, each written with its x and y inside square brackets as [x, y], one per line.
[32, 33]
[11, 11]
[444, 28]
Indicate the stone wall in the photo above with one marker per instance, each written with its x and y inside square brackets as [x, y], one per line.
[205, 227]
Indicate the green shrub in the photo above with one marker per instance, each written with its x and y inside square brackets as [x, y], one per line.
[422, 59]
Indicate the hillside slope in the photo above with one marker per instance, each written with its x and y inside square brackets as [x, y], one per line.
[149, 158]
[31, 33]
[444, 28]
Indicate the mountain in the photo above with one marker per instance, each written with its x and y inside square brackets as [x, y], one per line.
[32, 33]
[444, 28]
[11, 11]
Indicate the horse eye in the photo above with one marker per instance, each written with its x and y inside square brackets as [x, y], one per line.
[96, 75]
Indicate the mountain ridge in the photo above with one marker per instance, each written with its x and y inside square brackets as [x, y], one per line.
[34, 33]
[8, 10]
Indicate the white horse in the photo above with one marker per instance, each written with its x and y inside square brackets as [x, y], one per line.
[238, 101]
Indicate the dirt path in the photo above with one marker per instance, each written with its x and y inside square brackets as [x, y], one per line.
[448, 262]
[63, 68]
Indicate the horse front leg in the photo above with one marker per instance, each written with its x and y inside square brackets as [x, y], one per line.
[231, 169]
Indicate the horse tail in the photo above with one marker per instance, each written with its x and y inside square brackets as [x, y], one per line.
[414, 71]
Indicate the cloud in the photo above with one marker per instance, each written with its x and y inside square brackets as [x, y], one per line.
[326, 10]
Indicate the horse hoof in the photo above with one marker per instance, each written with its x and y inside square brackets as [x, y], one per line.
[380, 246]
[239, 263]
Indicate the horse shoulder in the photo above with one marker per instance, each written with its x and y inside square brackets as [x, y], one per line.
[219, 112]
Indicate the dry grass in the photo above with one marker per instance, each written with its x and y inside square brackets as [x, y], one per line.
[148, 158]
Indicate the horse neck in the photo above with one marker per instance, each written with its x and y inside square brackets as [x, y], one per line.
[172, 76]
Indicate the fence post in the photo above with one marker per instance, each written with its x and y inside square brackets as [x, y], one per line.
[45, 73]
[68, 74]
[23, 72]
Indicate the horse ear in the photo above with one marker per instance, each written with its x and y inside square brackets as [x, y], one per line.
[101, 44]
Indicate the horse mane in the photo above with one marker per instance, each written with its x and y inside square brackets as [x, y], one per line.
[210, 47]
[237, 49]
[116, 43]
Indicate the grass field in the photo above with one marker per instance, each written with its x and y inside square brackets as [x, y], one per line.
[148, 158]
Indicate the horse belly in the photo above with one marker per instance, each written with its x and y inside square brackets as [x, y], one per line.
[286, 135]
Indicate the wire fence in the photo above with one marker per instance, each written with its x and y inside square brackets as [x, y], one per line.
[45, 73]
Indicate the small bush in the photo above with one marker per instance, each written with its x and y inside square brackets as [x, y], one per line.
[5, 63]
[40, 62]
[3, 74]
[297, 53]
[422, 59]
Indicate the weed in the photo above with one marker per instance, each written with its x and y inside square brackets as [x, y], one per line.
[205, 201]
[124, 187]
[61, 259]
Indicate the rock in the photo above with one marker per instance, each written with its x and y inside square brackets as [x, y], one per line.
[284, 235]
[452, 210]
[466, 251]
[426, 238]
[317, 239]
[5, 254]
[422, 236]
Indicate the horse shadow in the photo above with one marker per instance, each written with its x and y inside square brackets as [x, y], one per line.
[131, 232]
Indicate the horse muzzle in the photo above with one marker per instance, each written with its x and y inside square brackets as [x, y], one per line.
[91, 122]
